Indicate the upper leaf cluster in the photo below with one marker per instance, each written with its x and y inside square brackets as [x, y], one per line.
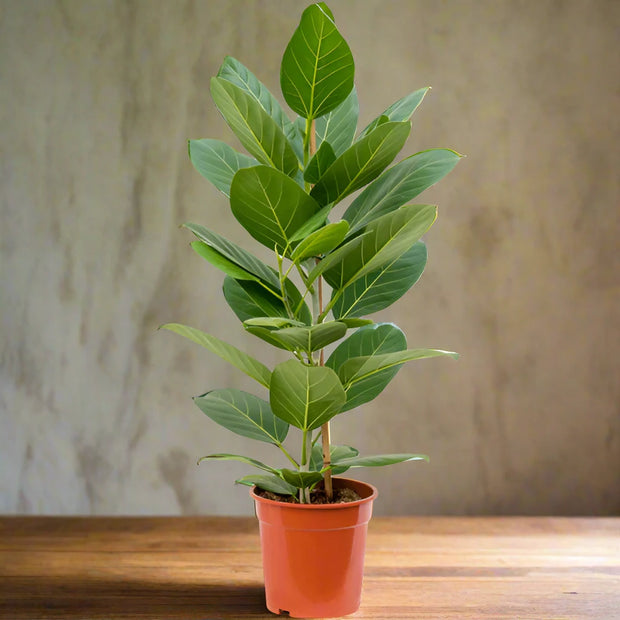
[282, 193]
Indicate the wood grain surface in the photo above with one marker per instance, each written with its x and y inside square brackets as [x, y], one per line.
[210, 568]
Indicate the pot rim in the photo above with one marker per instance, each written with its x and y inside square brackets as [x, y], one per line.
[343, 506]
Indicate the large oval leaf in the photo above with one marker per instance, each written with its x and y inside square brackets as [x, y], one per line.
[237, 255]
[235, 72]
[249, 299]
[243, 414]
[385, 239]
[376, 339]
[301, 479]
[307, 339]
[221, 262]
[250, 366]
[321, 241]
[305, 396]
[320, 162]
[238, 457]
[317, 67]
[401, 110]
[338, 127]
[270, 205]
[217, 162]
[380, 460]
[361, 163]
[316, 221]
[268, 482]
[357, 369]
[379, 289]
[337, 453]
[256, 130]
[400, 184]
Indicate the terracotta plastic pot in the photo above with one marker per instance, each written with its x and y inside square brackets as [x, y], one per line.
[313, 554]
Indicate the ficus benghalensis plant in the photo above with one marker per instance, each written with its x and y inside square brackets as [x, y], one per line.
[326, 276]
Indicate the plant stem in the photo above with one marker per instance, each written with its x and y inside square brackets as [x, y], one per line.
[318, 316]
[325, 430]
[306, 452]
[282, 278]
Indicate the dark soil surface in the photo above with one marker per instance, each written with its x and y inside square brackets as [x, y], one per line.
[317, 496]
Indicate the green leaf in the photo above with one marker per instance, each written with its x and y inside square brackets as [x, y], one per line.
[305, 396]
[243, 414]
[316, 221]
[306, 339]
[248, 300]
[238, 457]
[402, 110]
[356, 322]
[271, 483]
[379, 460]
[221, 262]
[270, 205]
[301, 479]
[321, 241]
[217, 162]
[320, 162]
[250, 366]
[387, 238]
[256, 130]
[381, 288]
[399, 185]
[235, 72]
[361, 163]
[376, 339]
[378, 121]
[237, 255]
[272, 322]
[359, 368]
[336, 453]
[317, 67]
[335, 258]
[338, 127]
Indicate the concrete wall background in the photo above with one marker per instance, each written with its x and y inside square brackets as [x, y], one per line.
[97, 100]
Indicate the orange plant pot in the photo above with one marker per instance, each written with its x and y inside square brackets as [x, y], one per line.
[313, 554]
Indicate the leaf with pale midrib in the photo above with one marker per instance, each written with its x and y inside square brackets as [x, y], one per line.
[251, 367]
[385, 239]
[401, 110]
[371, 340]
[361, 163]
[270, 205]
[338, 127]
[243, 414]
[256, 130]
[317, 67]
[359, 368]
[305, 396]
[400, 184]
[237, 255]
[379, 289]
[217, 162]
[237, 73]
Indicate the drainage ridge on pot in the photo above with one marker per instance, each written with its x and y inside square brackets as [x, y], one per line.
[313, 554]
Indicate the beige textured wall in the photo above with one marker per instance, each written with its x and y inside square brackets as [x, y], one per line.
[97, 100]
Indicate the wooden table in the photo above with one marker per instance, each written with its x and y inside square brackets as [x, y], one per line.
[207, 568]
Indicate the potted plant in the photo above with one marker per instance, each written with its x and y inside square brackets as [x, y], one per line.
[282, 192]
